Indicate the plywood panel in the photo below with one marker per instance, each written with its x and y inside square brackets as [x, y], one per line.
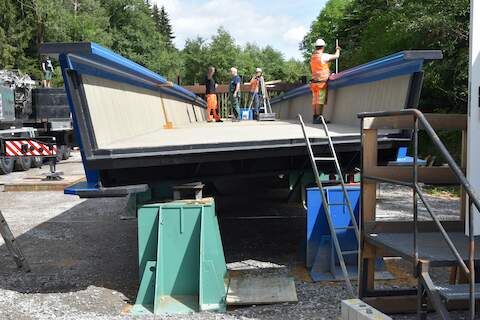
[201, 113]
[388, 94]
[344, 103]
[121, 112]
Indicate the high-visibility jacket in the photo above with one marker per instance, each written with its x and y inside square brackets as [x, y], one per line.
[254, 84]
[320, 69]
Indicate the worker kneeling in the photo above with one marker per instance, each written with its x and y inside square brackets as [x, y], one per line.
[320, 65]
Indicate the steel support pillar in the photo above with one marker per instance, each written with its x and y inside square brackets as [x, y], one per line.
[182, 267]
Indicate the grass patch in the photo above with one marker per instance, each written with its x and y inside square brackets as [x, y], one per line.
[443, 191]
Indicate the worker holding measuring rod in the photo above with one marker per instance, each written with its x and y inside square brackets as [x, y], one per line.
[320, 64]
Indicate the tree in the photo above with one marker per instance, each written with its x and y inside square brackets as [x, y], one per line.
[223, 54]
[162, 24]
[195, 60]
[371, 29]
[87, 20]
[326, 26]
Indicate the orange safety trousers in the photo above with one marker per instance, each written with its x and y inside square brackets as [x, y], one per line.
[319, 93]
[212, 105]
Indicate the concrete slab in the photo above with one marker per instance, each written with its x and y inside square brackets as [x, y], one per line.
[248, 290]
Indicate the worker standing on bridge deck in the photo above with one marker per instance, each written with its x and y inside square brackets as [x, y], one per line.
[210, 92]
[234, 90]
[255, 89]
[320, 64]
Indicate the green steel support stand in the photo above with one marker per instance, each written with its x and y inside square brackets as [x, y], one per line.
[182, 267]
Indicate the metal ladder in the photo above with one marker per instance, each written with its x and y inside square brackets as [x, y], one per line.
[333, 229]
[11, 244]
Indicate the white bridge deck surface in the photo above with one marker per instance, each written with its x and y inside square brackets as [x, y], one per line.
[231, 132]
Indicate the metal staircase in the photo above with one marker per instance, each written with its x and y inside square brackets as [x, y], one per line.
[333, 230]
[427, 244]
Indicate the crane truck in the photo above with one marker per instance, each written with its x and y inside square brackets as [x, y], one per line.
[35, 123]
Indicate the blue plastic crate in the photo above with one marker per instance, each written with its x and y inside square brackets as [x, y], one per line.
[246, 114]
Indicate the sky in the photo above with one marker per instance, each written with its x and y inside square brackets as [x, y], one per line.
[279, 23]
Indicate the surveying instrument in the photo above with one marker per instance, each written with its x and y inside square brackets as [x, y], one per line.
[264, 102]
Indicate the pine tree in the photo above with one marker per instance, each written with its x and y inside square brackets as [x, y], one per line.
[156, 17]
[164, 27]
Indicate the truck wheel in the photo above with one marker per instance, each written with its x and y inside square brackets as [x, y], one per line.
[66, 152]
[37, 162]
[23, 163]
[6, 165]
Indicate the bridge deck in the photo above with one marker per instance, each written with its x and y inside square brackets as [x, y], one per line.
[233, 133]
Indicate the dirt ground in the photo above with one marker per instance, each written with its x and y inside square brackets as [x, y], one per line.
[84, 257]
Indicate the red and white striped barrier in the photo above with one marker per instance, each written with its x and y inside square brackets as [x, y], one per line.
[16, 148]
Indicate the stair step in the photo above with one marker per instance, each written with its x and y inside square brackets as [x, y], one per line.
[457, 292]
[345, 228]
[346, 253]
[337, 204]
[324, 159]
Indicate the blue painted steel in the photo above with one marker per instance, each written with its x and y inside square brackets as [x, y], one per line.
[403, 159]
[318, 232]
[246, 114]
[81, 186]
[395, 65]
[91, 175]
[92, 59]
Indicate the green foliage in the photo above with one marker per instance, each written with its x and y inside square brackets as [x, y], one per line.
[370, 29]
[162, 24]
[223, 53]
[134, 29]
[326, 26]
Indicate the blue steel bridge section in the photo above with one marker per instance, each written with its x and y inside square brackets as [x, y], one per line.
[89, 58]
[395, 65]
[94, 60]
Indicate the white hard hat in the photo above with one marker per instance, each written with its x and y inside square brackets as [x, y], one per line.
[258, 70]
[320, 43]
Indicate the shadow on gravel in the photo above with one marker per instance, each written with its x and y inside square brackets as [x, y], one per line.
[88, 245]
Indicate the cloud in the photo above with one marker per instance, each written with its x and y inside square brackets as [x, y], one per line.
[295, 35]
[246, 20]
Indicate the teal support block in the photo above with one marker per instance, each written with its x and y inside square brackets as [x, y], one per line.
[147, 237]
[183, 238]
[178, 252]
[213, 266]
[146, 291]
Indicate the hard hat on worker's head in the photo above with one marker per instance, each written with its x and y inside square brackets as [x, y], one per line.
[320, 43]
[258, 70]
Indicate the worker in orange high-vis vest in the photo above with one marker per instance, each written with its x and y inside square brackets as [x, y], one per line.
[320, 64]
[210, 92]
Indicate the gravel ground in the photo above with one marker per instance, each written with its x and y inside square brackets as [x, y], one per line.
[83, 257]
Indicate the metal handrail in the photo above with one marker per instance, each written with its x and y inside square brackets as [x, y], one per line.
[472, 197]
[436, 141]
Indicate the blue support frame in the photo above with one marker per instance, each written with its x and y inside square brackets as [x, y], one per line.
[89, 58]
